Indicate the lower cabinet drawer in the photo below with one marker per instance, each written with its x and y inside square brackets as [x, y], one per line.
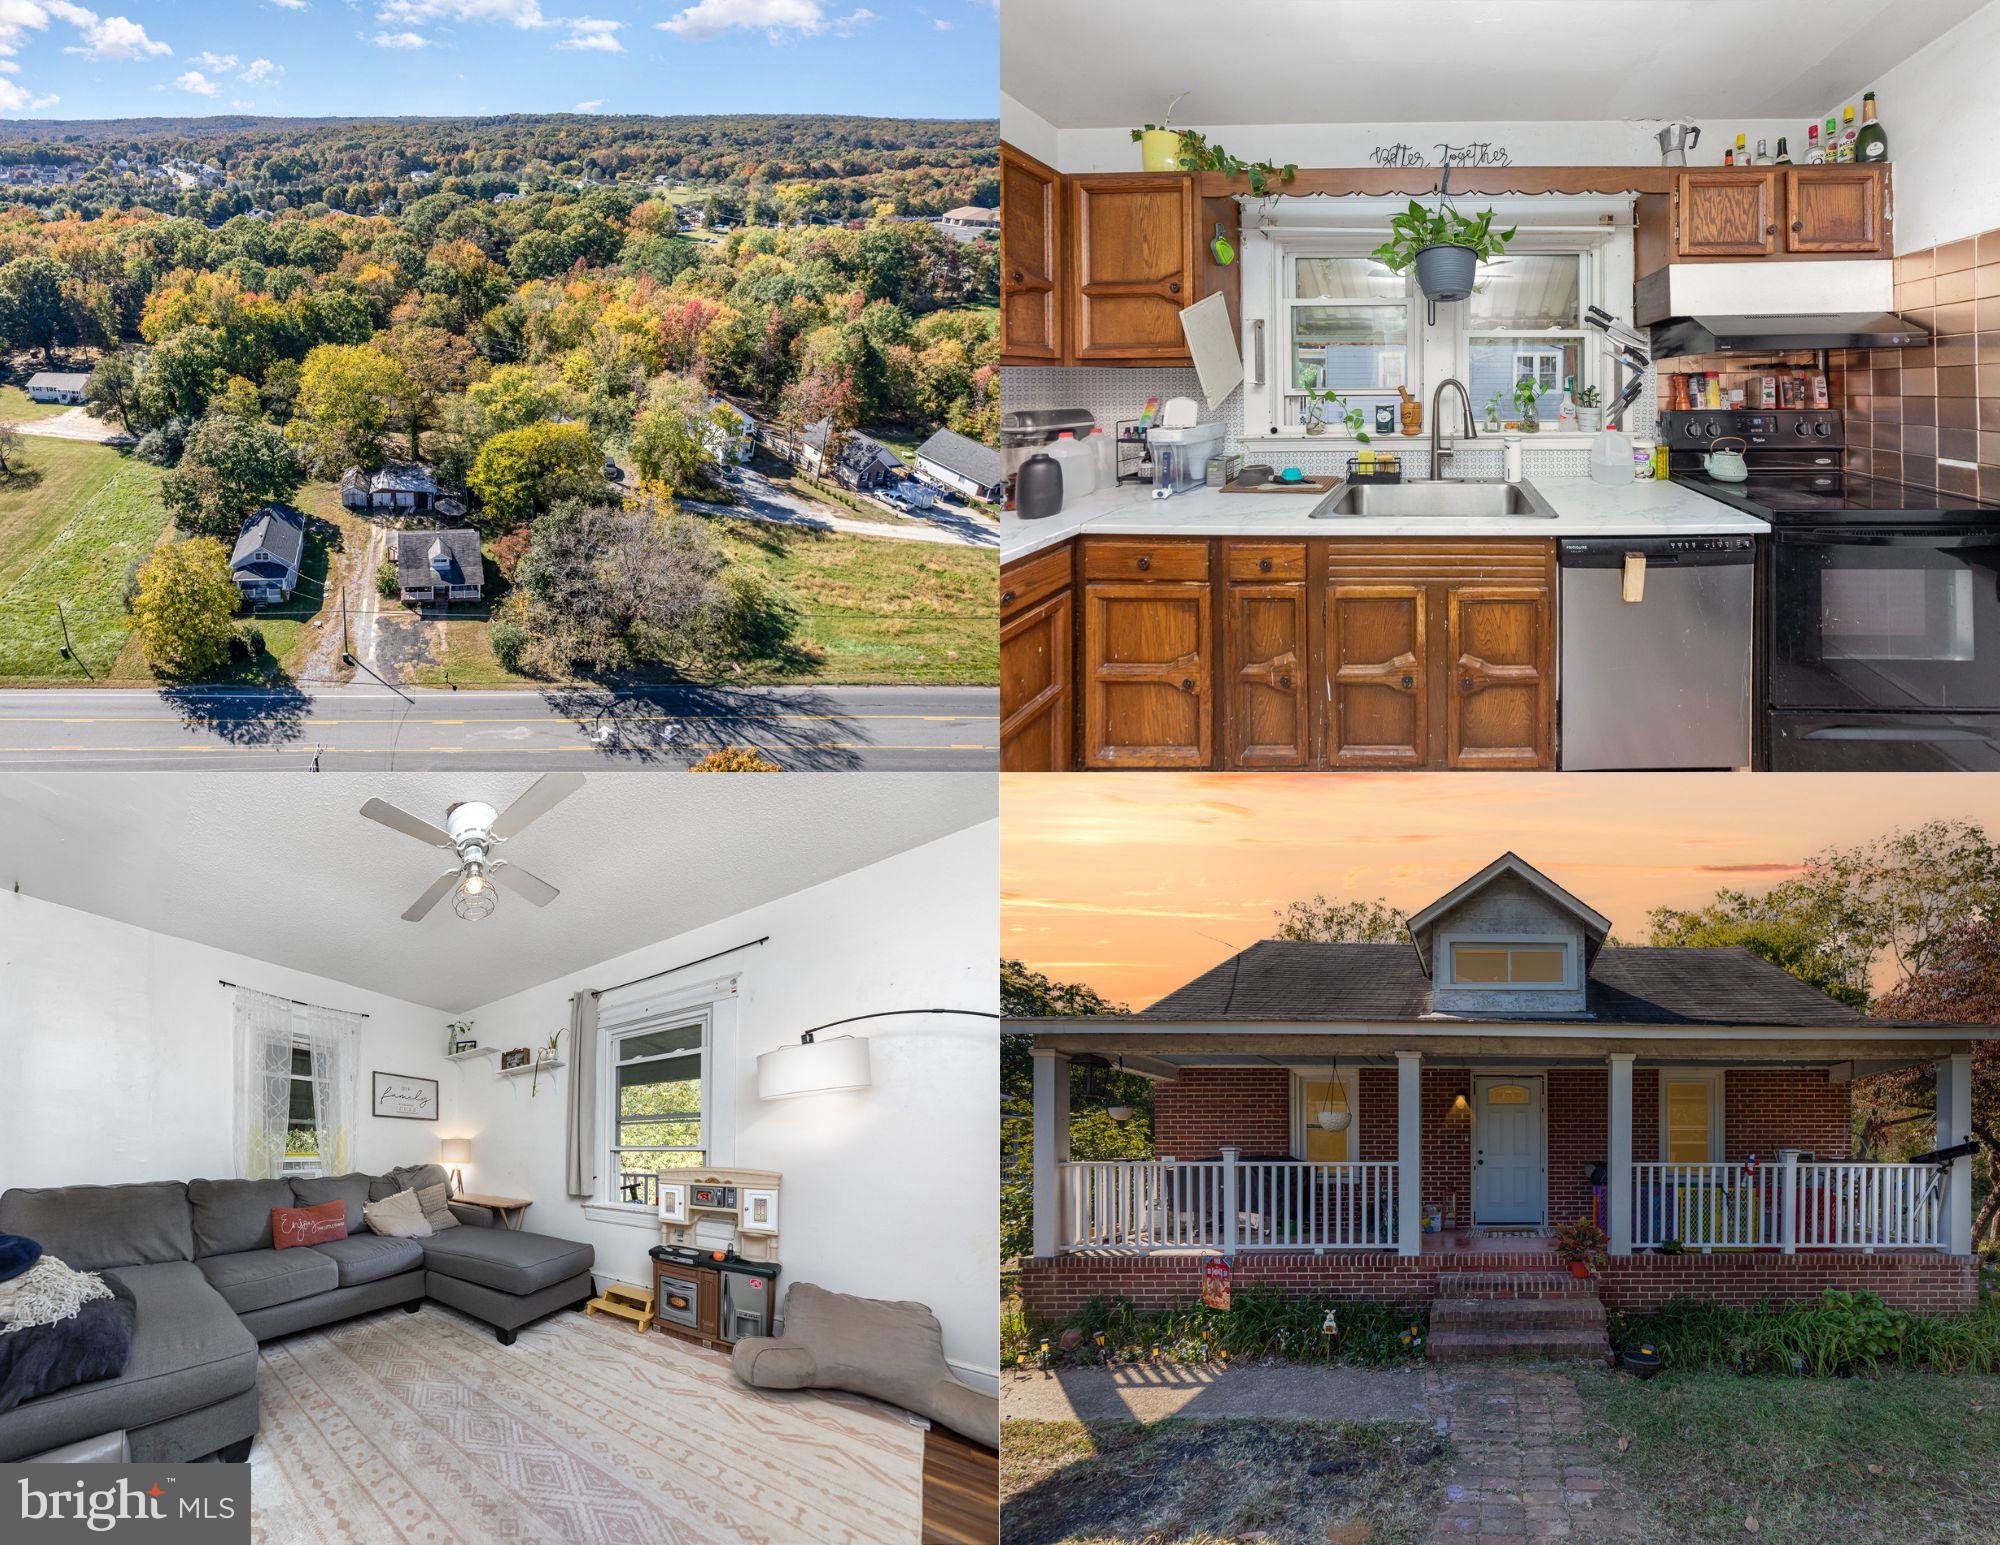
[1116, 558]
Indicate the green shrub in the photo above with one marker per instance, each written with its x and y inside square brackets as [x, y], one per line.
[388, 584]
[1260, 1323]
[507, 637]
[1836, 1334]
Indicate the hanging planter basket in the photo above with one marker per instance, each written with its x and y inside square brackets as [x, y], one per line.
[1445, 271]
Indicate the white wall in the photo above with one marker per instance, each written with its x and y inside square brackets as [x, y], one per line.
[1025, 129]
[888, 1193]
[1935, 105]
[118, 1048]
[1610, 142]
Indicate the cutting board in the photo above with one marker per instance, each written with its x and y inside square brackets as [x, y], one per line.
[1305, 485]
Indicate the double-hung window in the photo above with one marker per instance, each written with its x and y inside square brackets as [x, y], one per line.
[657, 1103]
[302, 1124]
[1349, 331]
[1525, 322]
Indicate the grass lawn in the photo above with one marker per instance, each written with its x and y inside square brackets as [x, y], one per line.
[70, 538]
[1902, 1456]
[288, 630]
[1290, 1483]
[17, 407]
[468, 654]
[862, 609]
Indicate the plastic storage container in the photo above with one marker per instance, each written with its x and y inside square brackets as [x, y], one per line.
[1610, 458]
[1079, 466]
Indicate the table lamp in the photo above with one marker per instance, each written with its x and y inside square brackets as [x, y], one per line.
[455, 1151]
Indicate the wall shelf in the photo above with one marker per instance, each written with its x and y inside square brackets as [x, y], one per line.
[528, 1067]
[467, 1056]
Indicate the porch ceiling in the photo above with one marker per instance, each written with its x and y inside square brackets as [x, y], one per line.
[1457, 1046]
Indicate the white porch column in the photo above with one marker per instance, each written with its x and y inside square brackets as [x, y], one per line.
[1954, 1125]
[1051, 1147]
[1618, 1164]
[1409, 1153]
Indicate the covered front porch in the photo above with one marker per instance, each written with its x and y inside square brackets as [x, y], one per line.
[1461, 1152]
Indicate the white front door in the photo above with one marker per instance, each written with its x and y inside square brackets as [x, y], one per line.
[1509, 1164]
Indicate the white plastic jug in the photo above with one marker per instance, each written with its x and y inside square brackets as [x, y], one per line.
[1079, 466]
[1610, 458]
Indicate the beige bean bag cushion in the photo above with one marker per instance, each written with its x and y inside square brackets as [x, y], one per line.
[867, 1346]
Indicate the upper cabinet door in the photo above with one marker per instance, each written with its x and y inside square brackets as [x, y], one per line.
[1835, 209]
[1031, 216]
[1132, 267]
[1726, 213]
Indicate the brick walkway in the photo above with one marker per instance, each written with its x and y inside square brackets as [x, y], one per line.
[1521, 1467]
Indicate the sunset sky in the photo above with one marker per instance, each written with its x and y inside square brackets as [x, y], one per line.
[1138, 882]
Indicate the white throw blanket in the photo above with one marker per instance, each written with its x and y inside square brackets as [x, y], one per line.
[46, 1292]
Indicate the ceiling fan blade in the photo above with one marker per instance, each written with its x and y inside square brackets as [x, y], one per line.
[439, 889]
[547, 791]
[512, 876]
[410, 825]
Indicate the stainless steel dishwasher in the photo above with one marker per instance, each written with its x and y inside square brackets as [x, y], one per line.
[1662, 681]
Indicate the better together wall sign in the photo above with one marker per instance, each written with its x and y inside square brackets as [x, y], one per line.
[1476, 153]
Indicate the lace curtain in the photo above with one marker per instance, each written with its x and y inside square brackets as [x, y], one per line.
[263, 1083]
[333, 1036]
[267, 1031]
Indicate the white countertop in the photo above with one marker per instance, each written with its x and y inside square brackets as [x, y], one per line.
[1583, 509]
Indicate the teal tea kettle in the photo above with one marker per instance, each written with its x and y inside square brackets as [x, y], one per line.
[1726, 466]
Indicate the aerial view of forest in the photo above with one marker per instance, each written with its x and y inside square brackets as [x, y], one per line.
[671, 373]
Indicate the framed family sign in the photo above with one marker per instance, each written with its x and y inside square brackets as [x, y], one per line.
[406, 1097]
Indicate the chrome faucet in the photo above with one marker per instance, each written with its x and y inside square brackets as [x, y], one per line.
[1439, 453]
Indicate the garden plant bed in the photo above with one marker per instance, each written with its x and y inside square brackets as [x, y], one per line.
[1290, 1483]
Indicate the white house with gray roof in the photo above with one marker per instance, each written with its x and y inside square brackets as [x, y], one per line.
[440, 565]
[400, 486]
[266, 559]
[58, 385]
[961, 465]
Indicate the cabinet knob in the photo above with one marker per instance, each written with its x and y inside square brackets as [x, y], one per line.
[1014, 277]
[1006, 596]
[1798, 225]
[1285, 682]
[1187, 684]
[1173, 287]
[1465, 682]
[1145, 561]
[1407, 683]
[1263, 565]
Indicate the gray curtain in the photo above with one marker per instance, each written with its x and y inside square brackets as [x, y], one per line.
[581, 1156]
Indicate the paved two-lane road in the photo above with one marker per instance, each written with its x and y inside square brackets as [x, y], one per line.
[352, 729]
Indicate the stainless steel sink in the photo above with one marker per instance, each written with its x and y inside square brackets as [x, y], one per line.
[1449, 496]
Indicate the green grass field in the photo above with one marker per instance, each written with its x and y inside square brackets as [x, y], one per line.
[68, 533]
[17, 407]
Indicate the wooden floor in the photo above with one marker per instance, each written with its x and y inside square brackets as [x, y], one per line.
[961, 1491]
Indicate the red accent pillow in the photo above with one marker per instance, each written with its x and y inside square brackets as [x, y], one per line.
[308, 1225]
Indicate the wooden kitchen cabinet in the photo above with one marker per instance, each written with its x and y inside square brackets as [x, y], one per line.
[1133, 265]
[1440, 654]
[1726, 212]
[1037, 663]
[1267, 647]
[1836, 209]
[1147, 656]
[1031, 252]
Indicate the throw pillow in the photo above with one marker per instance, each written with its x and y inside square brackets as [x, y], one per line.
[291, 1226]
[18, 1253]
[397, 1216]
[435, 1202]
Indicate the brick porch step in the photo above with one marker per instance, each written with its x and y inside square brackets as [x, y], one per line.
[1572, 1311]
[1514, 1284]
[1556, 1345]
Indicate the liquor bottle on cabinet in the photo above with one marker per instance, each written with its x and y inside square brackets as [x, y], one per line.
[1814, 154]
[1847, 133]
[1872, 143]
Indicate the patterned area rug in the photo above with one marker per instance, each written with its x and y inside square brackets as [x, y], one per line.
[421, 1427]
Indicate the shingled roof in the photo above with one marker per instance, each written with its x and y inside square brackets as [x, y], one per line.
[1279, 979]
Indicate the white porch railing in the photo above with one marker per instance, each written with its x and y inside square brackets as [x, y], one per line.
[1788, 1207]
[1227, 1204]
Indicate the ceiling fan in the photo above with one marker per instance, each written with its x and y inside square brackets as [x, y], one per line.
[472, 830]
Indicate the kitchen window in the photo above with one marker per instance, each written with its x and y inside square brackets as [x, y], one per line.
[655, 1093]
[1342, 321]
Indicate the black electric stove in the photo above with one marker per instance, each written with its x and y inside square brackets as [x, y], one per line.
[1880, 644]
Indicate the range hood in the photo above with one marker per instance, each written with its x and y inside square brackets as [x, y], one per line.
[1772, 331]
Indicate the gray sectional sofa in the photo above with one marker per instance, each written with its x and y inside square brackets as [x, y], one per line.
[197, 1256]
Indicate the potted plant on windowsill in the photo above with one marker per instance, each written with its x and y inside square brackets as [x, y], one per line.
[1445, 246]
[1336, 411]
[1493, 405]
[1589, 409]
[1583, 1245]
[1528, 398]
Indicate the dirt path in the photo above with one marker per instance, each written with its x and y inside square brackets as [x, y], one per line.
[76, 424]
[1521, 1468]
[357, 583]
[1154, 1392]
[766, 501]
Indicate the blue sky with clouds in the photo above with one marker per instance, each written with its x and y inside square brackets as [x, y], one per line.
[147, 58]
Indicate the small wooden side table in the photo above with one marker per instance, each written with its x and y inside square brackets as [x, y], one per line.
[507, 1210]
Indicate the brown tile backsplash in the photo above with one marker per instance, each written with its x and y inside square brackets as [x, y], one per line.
[1912, 414]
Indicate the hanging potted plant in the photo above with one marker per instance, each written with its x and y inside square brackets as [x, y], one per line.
[1589, 409]
[1583, 1245]
[1445, 246]
[1528, 398]
[1160, 143]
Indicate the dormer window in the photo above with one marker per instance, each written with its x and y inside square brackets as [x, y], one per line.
[1532, 964]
